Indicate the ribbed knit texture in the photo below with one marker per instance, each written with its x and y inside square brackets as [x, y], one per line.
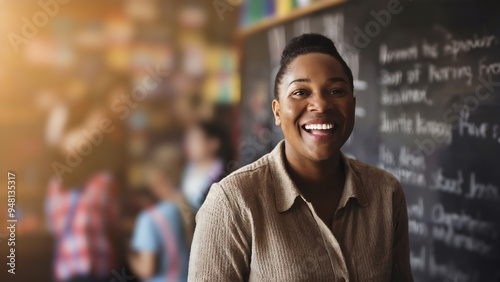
[256, 226]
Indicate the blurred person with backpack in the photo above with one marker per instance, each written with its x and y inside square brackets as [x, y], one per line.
[163, 233]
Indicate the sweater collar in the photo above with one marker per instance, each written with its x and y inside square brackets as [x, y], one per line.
[286, 191]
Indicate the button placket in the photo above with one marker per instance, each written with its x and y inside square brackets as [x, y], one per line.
[337, 221]
[339, 270]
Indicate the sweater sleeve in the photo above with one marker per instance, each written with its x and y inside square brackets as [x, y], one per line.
[220, 250]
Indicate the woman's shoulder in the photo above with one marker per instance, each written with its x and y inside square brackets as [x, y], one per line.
[247, 184]
[372, 175]
[378, 185]
[248, 174]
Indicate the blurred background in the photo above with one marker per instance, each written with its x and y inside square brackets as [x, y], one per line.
[116, 116]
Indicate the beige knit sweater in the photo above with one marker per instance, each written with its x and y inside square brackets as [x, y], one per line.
[255, 225]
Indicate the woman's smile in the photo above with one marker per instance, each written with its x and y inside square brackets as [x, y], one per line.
[321, 129]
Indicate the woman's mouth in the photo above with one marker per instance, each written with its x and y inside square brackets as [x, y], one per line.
[320, 131]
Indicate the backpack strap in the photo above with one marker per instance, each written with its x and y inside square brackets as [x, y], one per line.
[169, 244]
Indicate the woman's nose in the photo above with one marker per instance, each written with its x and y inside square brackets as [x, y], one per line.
[319, 103]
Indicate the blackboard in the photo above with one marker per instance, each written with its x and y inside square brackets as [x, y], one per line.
[427, 82]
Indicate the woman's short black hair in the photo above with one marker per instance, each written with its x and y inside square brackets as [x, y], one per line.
[305, 44]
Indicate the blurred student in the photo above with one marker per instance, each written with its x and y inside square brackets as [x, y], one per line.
[207, 150]
[82, 199]
[82, 213]
[160, 243]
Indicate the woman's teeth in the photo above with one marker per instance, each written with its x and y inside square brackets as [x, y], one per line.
[318, 126]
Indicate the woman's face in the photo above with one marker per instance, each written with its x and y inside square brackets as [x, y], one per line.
[316, 106]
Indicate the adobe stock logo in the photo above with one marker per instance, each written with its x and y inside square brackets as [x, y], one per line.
[223, 6]
[372, 28]
[29, 29]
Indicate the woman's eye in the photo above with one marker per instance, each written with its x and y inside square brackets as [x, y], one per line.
[298, 93]
[337, 92]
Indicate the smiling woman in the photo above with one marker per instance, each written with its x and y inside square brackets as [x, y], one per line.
[305, 211]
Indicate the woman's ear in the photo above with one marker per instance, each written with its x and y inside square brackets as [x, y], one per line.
[276, 111]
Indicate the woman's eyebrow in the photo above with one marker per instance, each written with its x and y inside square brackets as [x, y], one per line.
[337, 79]
[331, 79]
[300, 80]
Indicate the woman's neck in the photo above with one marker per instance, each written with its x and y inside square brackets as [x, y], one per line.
[310, 173]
